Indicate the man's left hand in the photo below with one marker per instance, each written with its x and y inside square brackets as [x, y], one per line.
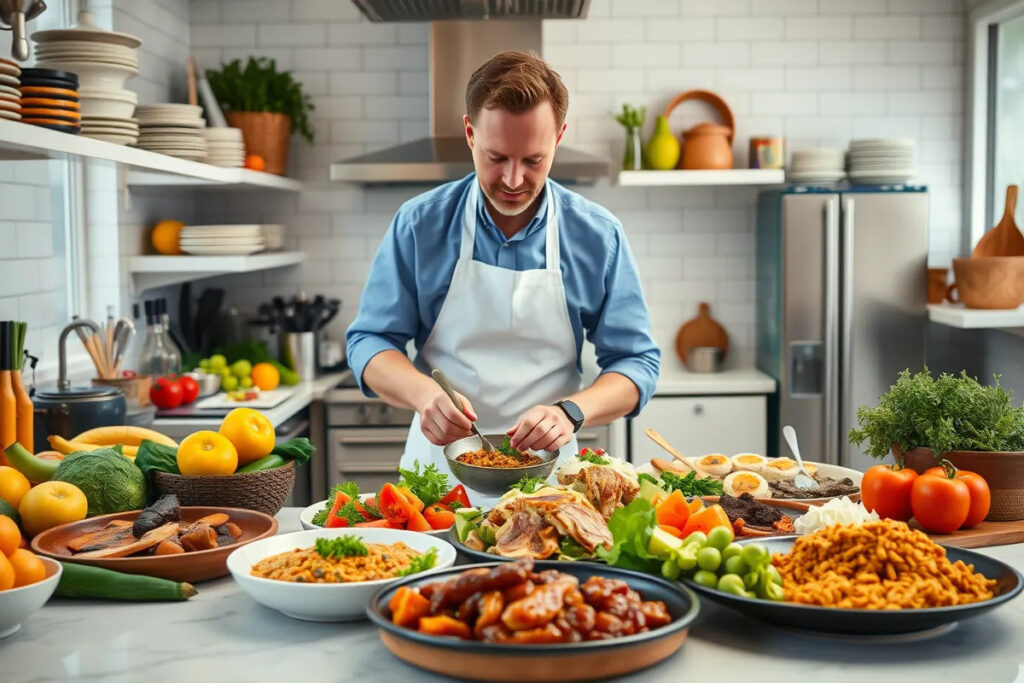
[541, 428]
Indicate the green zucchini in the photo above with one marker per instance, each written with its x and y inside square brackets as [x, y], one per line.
[267, 462]
[83, 581]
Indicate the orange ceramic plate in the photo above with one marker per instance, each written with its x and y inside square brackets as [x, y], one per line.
[34, 113]
[45, 102]
[50, 122]
[41, 90]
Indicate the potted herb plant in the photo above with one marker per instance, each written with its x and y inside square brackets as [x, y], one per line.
[974, 426]
[266, 104]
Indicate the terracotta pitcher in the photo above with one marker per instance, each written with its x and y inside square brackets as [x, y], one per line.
[706, 145]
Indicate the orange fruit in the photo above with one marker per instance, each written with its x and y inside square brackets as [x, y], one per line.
[27, 567]
[13, 485]
[251, 432]
[165, 237]
[6, 573]
[207, 452]
[51, 504]
[255, 162]
[265, 376]
[10, 535]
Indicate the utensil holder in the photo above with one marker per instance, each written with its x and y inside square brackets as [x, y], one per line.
[298, 352]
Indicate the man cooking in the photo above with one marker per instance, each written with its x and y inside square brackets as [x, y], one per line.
[498, 277]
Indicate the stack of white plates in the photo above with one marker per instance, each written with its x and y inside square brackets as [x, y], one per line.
[174, 129]
[10, 96]
[816, 166]
[882, 161]
[222, 239]
[273, 236]
[224, 147]
[103, 61]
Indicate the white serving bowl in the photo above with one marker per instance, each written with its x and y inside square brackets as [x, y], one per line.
[323, 601]
[306, 518]
[17, 604]
[103, 106]
[94, 74]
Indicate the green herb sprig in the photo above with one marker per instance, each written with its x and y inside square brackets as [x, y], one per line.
[587, 455]
[342, 546]
[689, 485]
[632, 117]
[506, 448]
[529, 484]
[421, 564]
[430, 485]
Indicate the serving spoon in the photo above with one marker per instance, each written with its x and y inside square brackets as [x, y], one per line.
[440, 378]
[803, 480]
[669, 448]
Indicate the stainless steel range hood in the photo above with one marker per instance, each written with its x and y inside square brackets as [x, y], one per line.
[457, 48]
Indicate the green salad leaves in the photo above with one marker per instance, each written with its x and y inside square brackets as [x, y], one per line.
[631, 528]
[422, 563]
[430, 485]
[342, 546]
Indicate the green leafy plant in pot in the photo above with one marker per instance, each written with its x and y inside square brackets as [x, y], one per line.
[266, 104]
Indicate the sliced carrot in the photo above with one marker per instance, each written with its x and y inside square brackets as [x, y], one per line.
[168, 547]
[444, 625]
[408, 606]
[673, 511]
[707, 519]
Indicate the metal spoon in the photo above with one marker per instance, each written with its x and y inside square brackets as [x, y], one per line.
[803, 480]
[450, 390]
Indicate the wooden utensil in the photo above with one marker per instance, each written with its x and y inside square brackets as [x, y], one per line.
[440, 378]
[702, 331]
[192, 99]
[669, 448]
[1005, 238]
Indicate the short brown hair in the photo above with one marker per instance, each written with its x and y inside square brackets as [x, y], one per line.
[516, 82]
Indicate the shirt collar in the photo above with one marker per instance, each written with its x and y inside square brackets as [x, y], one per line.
[536, 223]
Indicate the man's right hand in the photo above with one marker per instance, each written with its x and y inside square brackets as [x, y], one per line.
[442, 422]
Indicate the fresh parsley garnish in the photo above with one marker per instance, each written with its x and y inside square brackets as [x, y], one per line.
[429, 486]
[643, 476]
[421, 564]
[343, 546]
[691, 486]
[587, 455]
[349, 488]
[455, 505]
[350, 513]
[506, 448]
[320, 518]
[528, 484]
[372, 509]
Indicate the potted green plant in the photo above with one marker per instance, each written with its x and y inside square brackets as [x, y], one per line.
[266, 104]
[976, 427]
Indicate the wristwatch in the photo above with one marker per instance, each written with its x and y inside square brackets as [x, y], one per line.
[573, 412]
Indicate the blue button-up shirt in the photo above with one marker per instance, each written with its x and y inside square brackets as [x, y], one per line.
[413, 268]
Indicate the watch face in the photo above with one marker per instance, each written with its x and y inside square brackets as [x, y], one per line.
[572, 410]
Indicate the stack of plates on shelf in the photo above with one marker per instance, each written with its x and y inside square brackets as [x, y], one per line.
[882, 161]
[111, 129]
[816, 166]
[49, 99]
[273, 236]
[174, 129]
[224, 147]
[103, 61]
[222, 239]
[10, 96]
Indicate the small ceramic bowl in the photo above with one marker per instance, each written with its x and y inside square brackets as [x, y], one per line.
[493, 481]
[17, 604]
[324, 601]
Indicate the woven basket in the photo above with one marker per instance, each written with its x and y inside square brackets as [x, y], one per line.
[264, 491]
[266, 134]
[1004, 473]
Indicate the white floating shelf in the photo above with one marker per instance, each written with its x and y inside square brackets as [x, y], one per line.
[735, 176]
[955, 315]
[24, 141]
[149, 272]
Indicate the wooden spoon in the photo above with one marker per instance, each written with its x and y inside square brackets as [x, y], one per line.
[1005, 238]
[669, 448]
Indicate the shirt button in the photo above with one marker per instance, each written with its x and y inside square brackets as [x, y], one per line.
[505, 244]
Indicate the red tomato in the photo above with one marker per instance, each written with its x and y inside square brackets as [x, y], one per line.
[417, 522]
[940, 503]
[439, 516]
[165, 393]
[333, 521]
[394, 506]
[377, 523]
[886, 490]
[981, 496]
[189, 389]
[457, 494]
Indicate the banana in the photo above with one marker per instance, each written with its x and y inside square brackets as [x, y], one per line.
[126, 435]
[62, 445]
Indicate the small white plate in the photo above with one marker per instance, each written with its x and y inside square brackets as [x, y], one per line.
[13, 116]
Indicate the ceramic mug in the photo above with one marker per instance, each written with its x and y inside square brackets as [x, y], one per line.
[767, 152]
[938, 290]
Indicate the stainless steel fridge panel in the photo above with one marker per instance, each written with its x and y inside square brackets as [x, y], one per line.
[884, 254]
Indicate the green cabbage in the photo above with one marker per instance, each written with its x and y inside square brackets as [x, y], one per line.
[110, 481]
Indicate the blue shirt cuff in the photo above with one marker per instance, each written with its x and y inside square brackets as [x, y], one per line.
[360, 351]
[643, 372]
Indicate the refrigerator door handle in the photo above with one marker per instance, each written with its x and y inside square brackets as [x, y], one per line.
[848, 234]
[831, 355]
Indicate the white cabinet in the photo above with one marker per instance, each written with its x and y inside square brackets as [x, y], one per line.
[697, 425]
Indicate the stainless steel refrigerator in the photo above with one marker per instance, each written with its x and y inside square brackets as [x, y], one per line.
[841, 307]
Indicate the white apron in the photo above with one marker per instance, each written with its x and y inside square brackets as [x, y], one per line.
[503, 338]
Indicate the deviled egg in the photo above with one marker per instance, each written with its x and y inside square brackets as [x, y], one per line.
[715, 464]
[745, 481]
[780, 469]
[751, 462]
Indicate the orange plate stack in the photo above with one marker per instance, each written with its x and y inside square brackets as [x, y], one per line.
[49, 99]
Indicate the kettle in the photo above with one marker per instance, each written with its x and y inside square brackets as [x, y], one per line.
[13, 15]
[706, 146]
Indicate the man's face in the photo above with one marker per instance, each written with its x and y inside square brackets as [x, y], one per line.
[512, 154]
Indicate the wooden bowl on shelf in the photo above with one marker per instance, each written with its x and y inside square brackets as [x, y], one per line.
[990, 282]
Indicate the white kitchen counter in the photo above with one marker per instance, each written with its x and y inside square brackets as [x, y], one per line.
[222, 635]
[303, 394]
[676, 380]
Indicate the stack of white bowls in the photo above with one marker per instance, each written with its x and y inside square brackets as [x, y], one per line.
[224, 147]
[816, 166]
[103, 60]
[174, 129]
[882, 161]
[221, 240]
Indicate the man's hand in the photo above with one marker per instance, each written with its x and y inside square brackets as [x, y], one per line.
[541, 428]
[441, 421]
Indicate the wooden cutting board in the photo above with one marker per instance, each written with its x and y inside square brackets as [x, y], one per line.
[982, 536]
[1005, 238]
[702, 331]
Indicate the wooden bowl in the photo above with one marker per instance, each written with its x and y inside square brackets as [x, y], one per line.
[192, 567]
[991, 282]
[264, 491]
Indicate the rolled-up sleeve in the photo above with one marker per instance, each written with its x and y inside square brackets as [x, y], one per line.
[388, 316]
[622, 333]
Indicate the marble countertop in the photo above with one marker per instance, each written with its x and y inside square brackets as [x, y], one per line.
[222, 635]
[676, 380]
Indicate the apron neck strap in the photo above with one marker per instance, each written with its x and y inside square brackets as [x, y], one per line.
[552, 252]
